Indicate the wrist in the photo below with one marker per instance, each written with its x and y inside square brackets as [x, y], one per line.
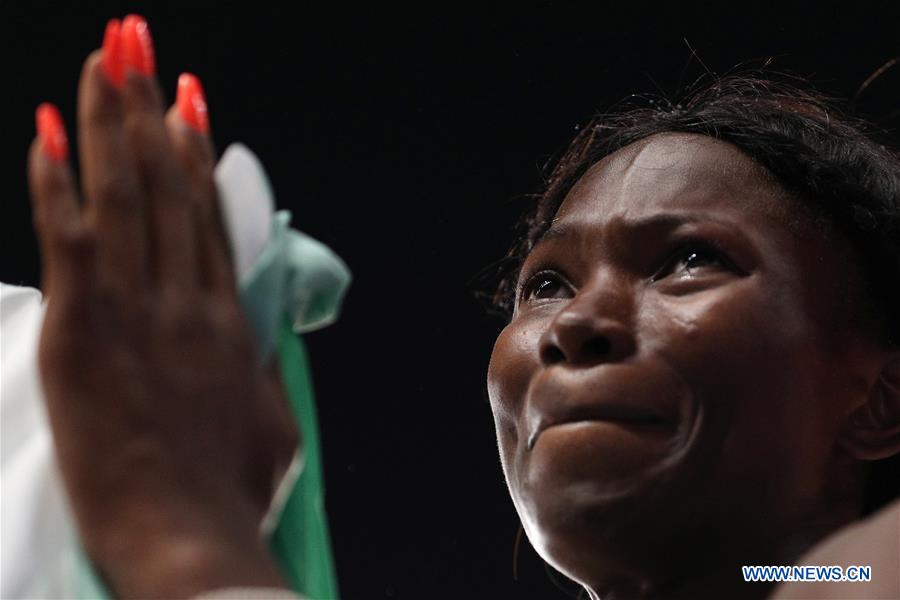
[181, 554]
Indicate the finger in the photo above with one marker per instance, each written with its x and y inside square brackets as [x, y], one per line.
[115, 207]
[64, 241]
[161, 175]
[188, 126]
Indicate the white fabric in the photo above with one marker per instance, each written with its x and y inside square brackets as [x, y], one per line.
[247, 205]
[36, 526]
[37, 549]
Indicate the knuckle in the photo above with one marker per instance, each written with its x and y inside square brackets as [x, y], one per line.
[130, 307]
[180, 315]
[109, 301]
[104, 110]
[80, 243]
[159, 171]
[187, 328]
[145, 95]
[76, 242]
[195, 159]
[225, 312]
[143, 133]
[133, 310]
[117, 193]
[230, 319]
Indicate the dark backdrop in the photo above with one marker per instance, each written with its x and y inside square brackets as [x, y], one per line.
[406, 141]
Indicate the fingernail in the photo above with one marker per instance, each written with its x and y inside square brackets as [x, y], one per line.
[137, 46]
[51, 131]
[112, 53]
[192, 103]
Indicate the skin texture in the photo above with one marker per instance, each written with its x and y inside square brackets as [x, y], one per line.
[681, 345]
[169, 433]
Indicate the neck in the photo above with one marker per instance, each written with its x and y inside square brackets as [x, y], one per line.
[717, 572]
[707, 581]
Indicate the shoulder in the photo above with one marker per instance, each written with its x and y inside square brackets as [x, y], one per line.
[874, 541]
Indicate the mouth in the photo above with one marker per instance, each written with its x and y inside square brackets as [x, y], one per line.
[626, 416]
[643, 401]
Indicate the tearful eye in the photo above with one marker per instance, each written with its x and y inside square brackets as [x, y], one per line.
[694, 260]
[542, 286]
[690, 260]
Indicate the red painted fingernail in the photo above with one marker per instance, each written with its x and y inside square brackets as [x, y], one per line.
[137, 46]
[192, 103]
[52, 132]
[112, 53]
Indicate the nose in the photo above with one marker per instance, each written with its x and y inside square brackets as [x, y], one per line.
[583, 334]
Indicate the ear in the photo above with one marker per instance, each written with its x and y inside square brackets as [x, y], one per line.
[872, 430]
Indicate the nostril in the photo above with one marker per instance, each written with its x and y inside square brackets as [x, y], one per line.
[597, 346]
[552, 355]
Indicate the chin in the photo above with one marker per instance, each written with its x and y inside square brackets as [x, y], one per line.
[594, 523]
[601, 539]
[574, 526]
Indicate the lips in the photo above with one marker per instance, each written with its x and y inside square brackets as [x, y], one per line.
[617, 394]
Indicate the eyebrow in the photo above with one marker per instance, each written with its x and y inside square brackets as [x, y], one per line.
[654, 224]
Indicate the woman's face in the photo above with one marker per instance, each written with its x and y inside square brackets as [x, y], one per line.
[674, 377]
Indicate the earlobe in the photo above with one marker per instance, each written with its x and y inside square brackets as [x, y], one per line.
[872, 431]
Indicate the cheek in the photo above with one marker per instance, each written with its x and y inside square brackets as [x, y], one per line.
[514, 360]
[739, 337]
[749, 356]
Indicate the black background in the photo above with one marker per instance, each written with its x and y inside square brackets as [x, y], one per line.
[406, 140]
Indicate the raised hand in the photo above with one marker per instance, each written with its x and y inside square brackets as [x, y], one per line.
[168, 431]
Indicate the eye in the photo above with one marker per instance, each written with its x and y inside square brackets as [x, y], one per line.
[542, 286]
[692, 260]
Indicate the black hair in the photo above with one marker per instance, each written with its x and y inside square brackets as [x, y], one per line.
[831, 162]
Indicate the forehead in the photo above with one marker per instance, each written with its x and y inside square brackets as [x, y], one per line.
[672, 172]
